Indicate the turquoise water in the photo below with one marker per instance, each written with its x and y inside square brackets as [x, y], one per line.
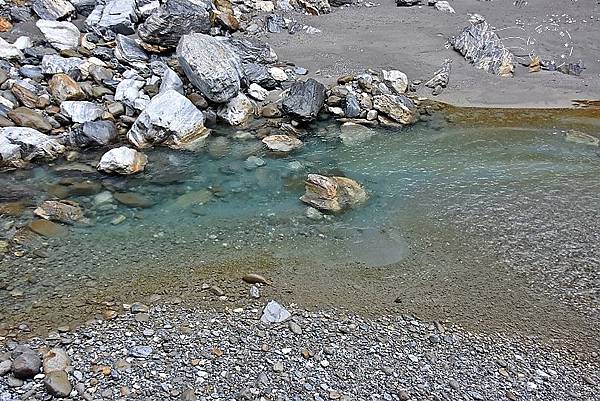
[525, 196]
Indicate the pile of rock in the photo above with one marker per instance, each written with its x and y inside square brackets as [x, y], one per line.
[373, 98]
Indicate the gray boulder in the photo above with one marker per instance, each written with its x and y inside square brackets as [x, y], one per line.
[172, 119]
[81, 111]
[304, 100]
[94, 133]
[26, 365]
[61, 35]
[255, 73]
[211, 64]
[84, 7]
[18, 144]
[128, 51]
[174, 18]
[53, 9]
[253, 51]
[118, 16]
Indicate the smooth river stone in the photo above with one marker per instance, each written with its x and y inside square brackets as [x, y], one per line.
[133, 199]
[47, 228]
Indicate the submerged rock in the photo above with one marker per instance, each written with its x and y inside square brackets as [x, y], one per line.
[398, 107]
[133, 199]
[19, 144]
[304, 100]
[354, 134]
[211, 65]
[169, 118]
[582, 138]
[47, 228]
[333, 194]
[174, 18]
[123, 160]
[62, 211]
[282, 143]
[61, 35]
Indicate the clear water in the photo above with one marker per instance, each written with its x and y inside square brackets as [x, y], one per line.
[521, 195]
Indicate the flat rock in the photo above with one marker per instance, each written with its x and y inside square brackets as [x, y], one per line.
[133, 199]
[61, 35]
[62, 211]
[282, 143]
[354, 134]
[274, 313]
[81, 111]
[123, 160]
[47, 228]
[172, 119]
[24, 117]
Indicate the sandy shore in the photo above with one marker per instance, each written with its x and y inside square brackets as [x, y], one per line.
[412, 39]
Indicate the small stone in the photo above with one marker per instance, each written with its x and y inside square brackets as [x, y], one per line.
[137, 307]
[274, 313]
[278, 367]
[26, 365]
[140, 351]
[295, 328]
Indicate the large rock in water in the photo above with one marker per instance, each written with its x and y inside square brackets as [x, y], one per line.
[480, 45]
[211, 65]
[61, 211]
[333, 194]
[397, 107]
[304, 100]
[62, 35]
[123, 160]
[18, 144]
[174, 18]
[169, 118]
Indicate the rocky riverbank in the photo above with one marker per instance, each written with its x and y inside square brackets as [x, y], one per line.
[259, 352]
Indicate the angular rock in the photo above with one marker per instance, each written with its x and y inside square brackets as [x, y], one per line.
[304, 100]
[396, 81]
[171, 81]
[480, 45]
[211, 66]
[24, 117]
[258, 74]
[95, 133]
[398, 107]
[274, 313]
[140, 351]
[442, 76]
[61, 35]
[55, 64]
[26, 93]
[81, 111]
[53, 9]
[62, 211]
[282, 143]
[252, 50]
[257, 92]
[123, 161]
[174, 18]
[169, 118]
[118, 15]
[128, 51]
[9, 51]
[57, 384]
[47, 228]
[444, 6]
[238, 110]
[25, 144]
[351, 106]
[26, 365]
[333, 194]
[63, 87]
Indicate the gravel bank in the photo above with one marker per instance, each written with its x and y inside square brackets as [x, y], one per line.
[189, 354]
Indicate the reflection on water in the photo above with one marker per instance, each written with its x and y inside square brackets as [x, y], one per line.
[529, 197]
